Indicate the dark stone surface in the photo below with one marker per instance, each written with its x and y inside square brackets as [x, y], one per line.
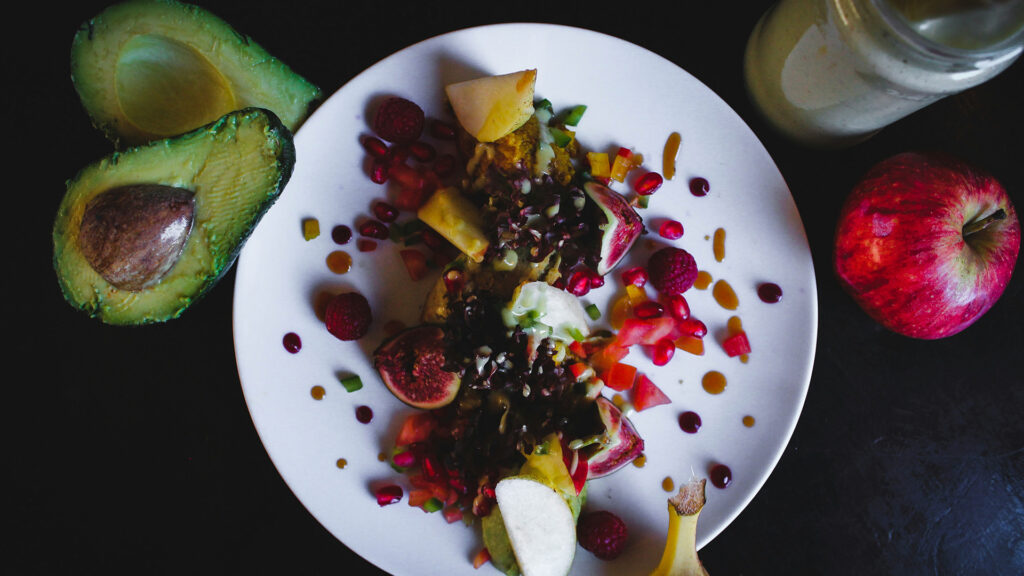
[131, 450]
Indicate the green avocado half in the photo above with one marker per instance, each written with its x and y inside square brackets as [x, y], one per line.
[150, 69]
[143, 233]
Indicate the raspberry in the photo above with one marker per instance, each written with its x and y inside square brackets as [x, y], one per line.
[672, 270]
[348, 316]
[602, 533]
[398, 120]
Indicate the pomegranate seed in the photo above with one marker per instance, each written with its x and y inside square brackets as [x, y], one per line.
[432, 469]
[442, 130]
[374, 229]
[648, 183]
[444, 165]
[385, 212]
[596, 280]
[341, 234]
[379, 171]
[693, 327]
[579, 283]
[671, 229]
[397, 154]
[388, 494]
[649, 309]
[678, 307]
[454, 281]
[422, 151]
[406, 176]
[637, 276]
[365, 245]
[664, 349]
[405, 459]
[375, 146]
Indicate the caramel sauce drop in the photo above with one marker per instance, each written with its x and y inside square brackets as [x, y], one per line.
[640, 461]
[714, 382]
[318, 392]
[748, 421]
[725, 295]
[703, 280]
[667, 484]
[339, 262]
[718, 244]
[341, 463]
[668, 160]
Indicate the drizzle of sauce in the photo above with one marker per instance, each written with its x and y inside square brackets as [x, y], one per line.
[667, 484]
[718, 244]
[769, 292]
[714, 382]
[317, 392]
[689, 422]
[668, 160]
[725, 295]
[341, 463]
[703, 280]
[341, 234]
[364, 414]
[748, 421]
[699, 186]
[292, 342]
[721, 475]
[640, 461]
[339, 262]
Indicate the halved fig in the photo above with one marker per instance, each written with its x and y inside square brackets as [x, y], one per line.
[621, 226]
[624, 443]
[412, 365]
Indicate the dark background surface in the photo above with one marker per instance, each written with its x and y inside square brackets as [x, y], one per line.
[132, 450]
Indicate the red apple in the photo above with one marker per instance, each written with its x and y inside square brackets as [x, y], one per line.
[926, 244]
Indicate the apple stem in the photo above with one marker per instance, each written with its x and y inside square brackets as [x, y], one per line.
[979, 225]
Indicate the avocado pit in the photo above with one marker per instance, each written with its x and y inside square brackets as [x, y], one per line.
[132, 235]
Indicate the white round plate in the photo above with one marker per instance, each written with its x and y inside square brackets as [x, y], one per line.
[634, 99]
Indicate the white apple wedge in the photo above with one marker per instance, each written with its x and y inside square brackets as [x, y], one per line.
[540, 526]
[491, 107]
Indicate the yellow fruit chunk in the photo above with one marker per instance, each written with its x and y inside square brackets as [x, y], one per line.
[453, 216]
[680, 555]
[310, 228]
[600, 167]
[491, 107]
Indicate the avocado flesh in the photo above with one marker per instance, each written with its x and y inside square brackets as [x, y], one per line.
[150, 69]
[235, 167]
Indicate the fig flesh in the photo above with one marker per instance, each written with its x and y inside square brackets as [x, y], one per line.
[623, 444]
[621, 228]
[412, 365]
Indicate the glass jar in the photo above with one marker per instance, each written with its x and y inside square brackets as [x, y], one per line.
[831, 73]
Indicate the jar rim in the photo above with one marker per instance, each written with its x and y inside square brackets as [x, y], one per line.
[1011, 45]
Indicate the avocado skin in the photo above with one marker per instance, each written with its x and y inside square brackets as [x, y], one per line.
[237, 167]
[253, 77]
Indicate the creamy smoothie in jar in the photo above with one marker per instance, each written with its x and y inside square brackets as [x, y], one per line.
[831, 73]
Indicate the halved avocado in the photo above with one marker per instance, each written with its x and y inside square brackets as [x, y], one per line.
[143, 233]
[149, 69]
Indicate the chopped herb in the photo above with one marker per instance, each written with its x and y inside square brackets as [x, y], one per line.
[352, 383]
[593, 311]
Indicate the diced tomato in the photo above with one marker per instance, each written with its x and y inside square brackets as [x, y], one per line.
[620, 376]
[576, 347]
[647, 395]
[737, 344]
[452, 514]
[416, 428]
[482, 557]
[603, 358]
[690, 344]
[645, 331]
[578, 369]
[415, 262]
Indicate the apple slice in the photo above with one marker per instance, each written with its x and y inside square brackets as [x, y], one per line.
[491, 107]
[621, 228]
[540, 526]
[453, 216]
